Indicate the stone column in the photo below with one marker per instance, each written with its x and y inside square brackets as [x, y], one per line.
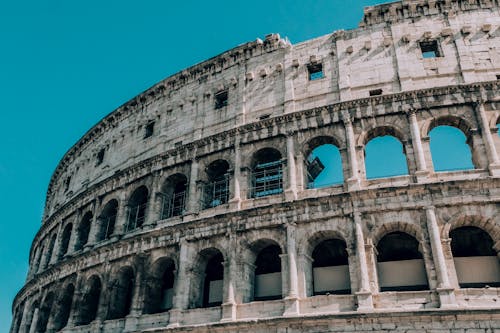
[181, 286]
[494, 163]
[192, 206]
[291, 300]
[34, 321]
[353, 180]
[57, 245]
[291, 191]
[417, 146]
[364, 295]
[446, 295]
[236, 199]
[74, 233]
[94, 226]
[152, 213]
[305, 274]
[121, 216]
[230, 267]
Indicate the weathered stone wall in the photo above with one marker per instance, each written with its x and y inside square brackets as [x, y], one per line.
[273, 104]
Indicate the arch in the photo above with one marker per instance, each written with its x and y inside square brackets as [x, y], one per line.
[450, 149]
[323, 162]
[449, 120]
[50, 249]
[476, 260]
[267, 270]
[216, 188]
[31, 314]
[38, 259]
[385, 154]
[83, 231]
[266, 173]
[90, 301]
[160, 286]
[65, 238]
[107, 220]
[400, 264]
[44, 313]
[473, 219]
[208, 273]
[330, 267]
[174, 196]
[121, 293]
[137, 205]
[64, 307]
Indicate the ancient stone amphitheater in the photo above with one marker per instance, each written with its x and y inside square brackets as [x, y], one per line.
[195, 206]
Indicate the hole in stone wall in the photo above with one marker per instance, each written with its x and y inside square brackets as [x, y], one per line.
[315, 71]
[221, 99]
[430, 49]
[149, 129]
[385, 157]
[449, 149]
[324, 166]
[375, 92]
[100, 156]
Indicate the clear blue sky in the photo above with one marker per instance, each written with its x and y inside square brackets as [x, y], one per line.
[66, 64]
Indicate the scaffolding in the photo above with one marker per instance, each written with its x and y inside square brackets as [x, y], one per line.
[267, 179]
[215, 193]
[173, 205]
[136, 216]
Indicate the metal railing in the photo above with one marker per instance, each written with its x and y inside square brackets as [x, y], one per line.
[215, 193]
[108, 227]
[136, 216]
[173, 205]
[267, 179]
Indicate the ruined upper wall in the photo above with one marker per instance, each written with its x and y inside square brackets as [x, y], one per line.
[270, 78]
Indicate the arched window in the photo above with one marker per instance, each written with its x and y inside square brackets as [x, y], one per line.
[137, 208]
[400, 264]
[83, 231]
[38, 259]
[449, 149]
[476, 261]
[66, 236]
[90, 301]
[16, 321]
[29, 319]
[267, 173]
[331, 268]
[267, 282]
[50, 249]
[160, 287]
[209, 276]
[64, 308]
[122, 289]
[174, 196]
[107, 220]
[216, 188]
[385, 157]
[45, 311]
[323, 164]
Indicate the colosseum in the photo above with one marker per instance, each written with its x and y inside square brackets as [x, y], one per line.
[195, 206]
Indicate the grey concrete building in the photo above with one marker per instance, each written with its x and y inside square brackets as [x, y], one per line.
[194, 207]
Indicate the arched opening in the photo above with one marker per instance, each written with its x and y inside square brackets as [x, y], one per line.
[449, 149]
[50, 249]
[90, 301]
[216, 188]
[476, 261]
[64, 308]
[122, 289]
[38, 259]
[107, 220]
[209, 277]
[137, 208]
[267, 280]
[29, 318]
[44, 313]
[18, 318]
[160, 286]
[83, 231]
[66, 236]
[400, 265]
[267, 173]
[323, 163]
[331, 268]
[385, 157]
[174, 196]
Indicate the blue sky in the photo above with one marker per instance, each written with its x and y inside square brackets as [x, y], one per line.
[66, 64]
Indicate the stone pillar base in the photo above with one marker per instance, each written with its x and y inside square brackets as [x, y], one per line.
[235, 204]
[290, 195]
[228, 312]
[131, 323]
[175, 318]
[421, 175]
[365, 301]
[494, 170]
[291, 307]
[353, 184]
[447, 298]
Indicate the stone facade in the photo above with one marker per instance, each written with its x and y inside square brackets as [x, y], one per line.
[128, 242]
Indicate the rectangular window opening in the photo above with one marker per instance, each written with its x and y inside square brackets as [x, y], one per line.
[375, 92]
[100, 156]
[498, 76]
[221, 99]
[430, 49]
[315, 71]
[149, 129]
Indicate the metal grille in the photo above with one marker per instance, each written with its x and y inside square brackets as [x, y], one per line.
[267, 179]
[109, 226]
[173, 205]
[136, 216]
[215, 193]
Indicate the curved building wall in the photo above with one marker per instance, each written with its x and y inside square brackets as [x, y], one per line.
[159, 216]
